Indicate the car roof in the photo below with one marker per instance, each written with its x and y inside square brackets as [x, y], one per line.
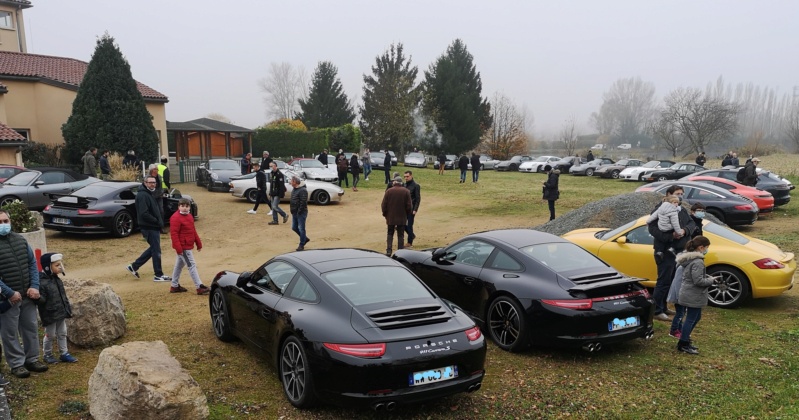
[45, 169]
[324, 260]
[518, 238]
[710, 187]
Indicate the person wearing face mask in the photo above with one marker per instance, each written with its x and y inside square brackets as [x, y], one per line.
[664, 258]
[54, 308]
[150, 222]
[697, 214]
[693, 291]
[184, 238]
[19, 286]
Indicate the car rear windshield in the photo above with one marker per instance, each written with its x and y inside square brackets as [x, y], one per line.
[562, 256]
[224, 165]
[311, 163]
[367, 285]
[725, 233]
[94, 190]
[651, 164]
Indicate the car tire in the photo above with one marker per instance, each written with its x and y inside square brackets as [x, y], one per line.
[251, 195]
[589, 172]
[614, 174]
[322, 198]
[210, 185]
[122, 225]
[662, 178]
[507, 325]
[513, 167]
[295, 374]
[197, 180]
[641, 177]
[7, 200]
[732, 290]
[718, 214]
[220, 319]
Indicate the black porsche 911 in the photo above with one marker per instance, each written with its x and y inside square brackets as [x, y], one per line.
[105, 206]
[528, 287]
[349, 327]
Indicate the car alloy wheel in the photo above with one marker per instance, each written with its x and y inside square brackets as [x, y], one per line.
[506, 324]
[7, 200]
[614, 174]
[322, 198]
[252, 195]
[732, 288]
[295, 374]
[123, 224]
[662, 178]
[219, 316]
[589, 172]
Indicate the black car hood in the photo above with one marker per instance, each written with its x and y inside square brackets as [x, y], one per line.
[408, 319]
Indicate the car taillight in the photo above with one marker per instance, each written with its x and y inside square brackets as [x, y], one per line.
[744, 207]
[578, 304]
[47, 207]
[473, 334]
[85, 211]
[359, 350]
[768, 264]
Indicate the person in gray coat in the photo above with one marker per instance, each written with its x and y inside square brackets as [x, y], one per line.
[693, 290]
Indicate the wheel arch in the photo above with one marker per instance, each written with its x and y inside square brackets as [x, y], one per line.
[744, 279]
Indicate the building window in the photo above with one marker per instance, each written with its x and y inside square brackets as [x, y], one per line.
[6, 21]
[24, 132]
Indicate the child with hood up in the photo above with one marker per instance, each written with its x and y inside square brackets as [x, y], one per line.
[693, 290]
[54, 308]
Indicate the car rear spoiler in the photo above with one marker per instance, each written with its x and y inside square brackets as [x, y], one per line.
[77, 200]
[604, 283]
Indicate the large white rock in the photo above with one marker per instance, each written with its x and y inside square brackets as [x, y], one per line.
[141, 380]
[98, 317]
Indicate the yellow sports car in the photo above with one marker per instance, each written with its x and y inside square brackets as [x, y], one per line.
[749, 267]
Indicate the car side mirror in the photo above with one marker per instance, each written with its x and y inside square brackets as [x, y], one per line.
[243, 279]
[439, 254]
[621, 240]
[38, 183]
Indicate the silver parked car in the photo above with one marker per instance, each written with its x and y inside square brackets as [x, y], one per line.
[319, 192]
[415, 159]
[312, 169]
[486, 163]
[32, 186]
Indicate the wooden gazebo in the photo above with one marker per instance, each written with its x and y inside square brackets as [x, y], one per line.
[205, 138]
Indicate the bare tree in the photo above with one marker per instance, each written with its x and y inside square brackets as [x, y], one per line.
[218, 117]
[668, 135]
[284, 86]
[792, 125]
[568, 136]
[507, 135]
[702, 119]
[625, 110]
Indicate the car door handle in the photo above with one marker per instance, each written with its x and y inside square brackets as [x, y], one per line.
[510, 276]
[469, 280]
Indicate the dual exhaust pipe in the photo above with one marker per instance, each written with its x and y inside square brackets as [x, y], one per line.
[474, 387]
[592, 347]
[384, 406]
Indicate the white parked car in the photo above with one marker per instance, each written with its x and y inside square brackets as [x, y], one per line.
[636, 173]
[625, 146]
[486, 163]
[537, 164]
[415, 159]
[312, 169]
[598, 146]
[319, 192]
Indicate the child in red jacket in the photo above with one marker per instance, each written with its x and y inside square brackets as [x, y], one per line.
[184, 236]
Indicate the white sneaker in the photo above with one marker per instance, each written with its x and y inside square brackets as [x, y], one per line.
[251, 211]
[161, 279]
[366, 179]
[269, 214]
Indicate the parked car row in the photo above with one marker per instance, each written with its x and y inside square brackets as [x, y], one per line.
[319, 192]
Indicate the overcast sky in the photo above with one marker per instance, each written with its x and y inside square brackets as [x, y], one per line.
[555, 57]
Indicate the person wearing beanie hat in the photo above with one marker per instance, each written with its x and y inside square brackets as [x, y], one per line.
[396, 206]
[54, 308]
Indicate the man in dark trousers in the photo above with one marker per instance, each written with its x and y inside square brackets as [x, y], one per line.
[105, 167]
[260, 185]
[463, 165]
[665, 259]
[387, 167]
[396, 207]
[150, 223]
[277, 190]
[416, 199]
[299, 210]
[475, 161]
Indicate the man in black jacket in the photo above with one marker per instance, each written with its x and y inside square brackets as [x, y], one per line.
[475, 161]
[277, 190]
[463, 165]
[416, 199]
[260, 184]
[105, 167]
[387, 167]
[299, 210]
[150, 222]
[323, 157]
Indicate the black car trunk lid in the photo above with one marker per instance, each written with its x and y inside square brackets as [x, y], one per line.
[390, 321]
[597, 283]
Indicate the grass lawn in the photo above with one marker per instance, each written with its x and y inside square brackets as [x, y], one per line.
[748, 367]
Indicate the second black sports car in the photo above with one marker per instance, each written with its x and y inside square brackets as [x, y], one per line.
[529, 287]
[105, 206]
[676, 171]
[349, 327]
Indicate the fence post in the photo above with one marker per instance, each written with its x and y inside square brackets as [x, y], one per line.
[180, 169]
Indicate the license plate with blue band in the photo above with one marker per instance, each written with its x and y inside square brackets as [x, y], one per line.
[624, 323]
[425, 377]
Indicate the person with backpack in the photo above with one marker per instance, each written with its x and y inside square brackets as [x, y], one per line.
[749, 176]
[342, 166]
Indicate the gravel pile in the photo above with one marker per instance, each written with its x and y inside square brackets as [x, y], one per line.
[610, 213]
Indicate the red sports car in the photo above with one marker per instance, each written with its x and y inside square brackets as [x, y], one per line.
[763, 199]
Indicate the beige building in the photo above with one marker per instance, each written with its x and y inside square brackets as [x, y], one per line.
[37, 91]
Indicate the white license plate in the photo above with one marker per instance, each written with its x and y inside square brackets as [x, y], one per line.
[61, 221]
[425, 377]
[623, 323]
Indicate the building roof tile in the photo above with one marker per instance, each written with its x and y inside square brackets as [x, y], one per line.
[22, 3]
[8, 134]
[205, 124]
[57, 69]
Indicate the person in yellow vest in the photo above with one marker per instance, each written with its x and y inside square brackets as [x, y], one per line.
[163, 172]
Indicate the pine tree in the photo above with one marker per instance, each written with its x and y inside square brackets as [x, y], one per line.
[109, 111]
[452, 100]
[327, 104]
[390, 96]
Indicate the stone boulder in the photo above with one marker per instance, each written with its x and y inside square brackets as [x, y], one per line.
[141, 380]
[98, 317]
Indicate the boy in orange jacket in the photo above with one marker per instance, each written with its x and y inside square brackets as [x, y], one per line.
[184, 237]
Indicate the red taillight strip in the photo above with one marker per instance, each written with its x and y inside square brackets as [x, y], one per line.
[359, 350]
[473, 334]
